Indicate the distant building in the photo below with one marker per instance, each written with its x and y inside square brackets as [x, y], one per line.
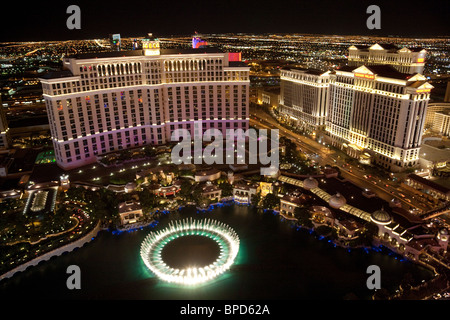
[405, 60]
[5, 135]
[433, 123]
[269, 97]
[114, 42]
[303, 97]
[447, 92]
[441, 124]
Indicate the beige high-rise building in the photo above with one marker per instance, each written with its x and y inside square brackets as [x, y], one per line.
[303, 97]
[377, 114]
[432, 110]
[106, 102]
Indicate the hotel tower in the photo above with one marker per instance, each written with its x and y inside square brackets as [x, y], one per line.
[105, 102]
[374, 108]
[303, 97]
[377, 114]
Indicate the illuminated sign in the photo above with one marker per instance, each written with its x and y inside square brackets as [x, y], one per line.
[151, 47]
[234, 56]
[420, 59]
[150, 44]
[198, 42]
[423, 90]
[363, 75]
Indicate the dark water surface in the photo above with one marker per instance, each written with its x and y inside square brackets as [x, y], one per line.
[275, 261]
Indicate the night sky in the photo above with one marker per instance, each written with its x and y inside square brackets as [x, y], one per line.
[46, 20]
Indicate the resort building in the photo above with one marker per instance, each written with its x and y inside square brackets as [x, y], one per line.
[441, 124]
[303, 97]
[405, 60]
[432, 109]
[243, 191]
[129, 212]
[211, 191]
[288, 203]
[376, 114]
[108, 101]
[415, 242]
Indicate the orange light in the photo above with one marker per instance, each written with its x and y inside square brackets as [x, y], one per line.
[423, 90]
[421, 60]
[363, 75]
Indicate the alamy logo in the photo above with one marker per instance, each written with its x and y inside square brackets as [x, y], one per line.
[374, 280]
[74, 20]
[236, 147]
[374, 20]
[74, 280]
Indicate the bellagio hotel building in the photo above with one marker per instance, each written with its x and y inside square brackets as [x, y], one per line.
[109, 101]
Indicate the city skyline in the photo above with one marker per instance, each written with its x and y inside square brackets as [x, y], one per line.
[39, 23]
[154, 119]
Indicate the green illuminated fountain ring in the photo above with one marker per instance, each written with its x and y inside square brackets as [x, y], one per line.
[222, 234]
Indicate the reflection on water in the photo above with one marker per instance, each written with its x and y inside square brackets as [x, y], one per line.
[275, 261]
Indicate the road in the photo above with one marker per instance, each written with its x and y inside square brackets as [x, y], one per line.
[383, 187]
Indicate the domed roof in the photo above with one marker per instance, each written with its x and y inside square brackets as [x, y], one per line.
[337, 201]
[310, 183]
[381, 217]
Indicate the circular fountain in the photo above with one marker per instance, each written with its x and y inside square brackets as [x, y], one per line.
[223, 235]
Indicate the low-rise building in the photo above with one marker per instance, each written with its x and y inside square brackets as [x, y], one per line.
[130, 212]
[348, 228]
[288, 203]
[211, 191]
[244, 190]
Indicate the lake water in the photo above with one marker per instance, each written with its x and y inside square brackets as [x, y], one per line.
[275, 261]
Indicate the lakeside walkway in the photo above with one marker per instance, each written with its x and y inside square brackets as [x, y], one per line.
[57, 252]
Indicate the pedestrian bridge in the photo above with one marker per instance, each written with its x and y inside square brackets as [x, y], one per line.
[326, 196]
